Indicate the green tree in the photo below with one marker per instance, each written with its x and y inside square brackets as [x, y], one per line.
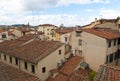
[91, 75]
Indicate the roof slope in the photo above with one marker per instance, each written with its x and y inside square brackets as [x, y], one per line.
[103, 32]
[9, 73]
[29, 50]
[7, 45]
[35, 50]
[71, 64]
[108, 73]
[68, 71]
[63, 31]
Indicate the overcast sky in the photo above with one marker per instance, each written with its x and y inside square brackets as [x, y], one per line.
[57, 12]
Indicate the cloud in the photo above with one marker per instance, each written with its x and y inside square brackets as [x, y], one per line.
[57, 19]
[109, 13]
[44, 4]
[68, 2]
[89, 10]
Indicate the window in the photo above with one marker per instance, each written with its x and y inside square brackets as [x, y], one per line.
[109, 43]
[65, 39]
[79, 42]
[119, 41]
[111, 58]
[10, 59]
[25, 64]
[118, 25]
[59, 52]
[116, 56]
[4, 36]
[4, 57]
[115, 42]
[43, 70]
[33, 68]
[47, 33]
[107, 59]
[47, 29]
[78, 33]
[0, 55]
[16, 61]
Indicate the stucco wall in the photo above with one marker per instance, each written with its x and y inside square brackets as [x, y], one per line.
[50, 62]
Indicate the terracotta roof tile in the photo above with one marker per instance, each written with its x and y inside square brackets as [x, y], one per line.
[71, 74]
[9, 73]
[63, 31]
[2, 31]
[108, 73]
[70, 65]
[103, 32]
[33, 51]
[4, 46]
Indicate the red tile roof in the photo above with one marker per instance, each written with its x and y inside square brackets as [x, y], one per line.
[71, 64]
[35, 50]
[24, 29]
[4, 46]
[103, 32]
[9, 73]
[32, 51]
[68, 71]
[108, 73]
[2, 31]
[63, 31]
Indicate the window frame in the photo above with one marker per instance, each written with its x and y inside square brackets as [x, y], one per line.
[43, 69]
[33, 68]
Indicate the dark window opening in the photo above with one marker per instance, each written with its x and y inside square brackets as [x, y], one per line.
[119, 41]
[4, 36]
[65, 39]
[109, 43]
[107, 59]
[4, 57]
[10, 59]
[25, 64]
[116, 55]
[111, 58]
[16, 61]
[33, 68]
[59, 52]
[115, 42]
[43, 70]
[78, 33]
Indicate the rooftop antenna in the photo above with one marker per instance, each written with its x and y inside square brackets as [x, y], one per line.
[101, 16]
[38, 17]
[33, 17]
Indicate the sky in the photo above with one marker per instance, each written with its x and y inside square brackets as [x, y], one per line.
[57, 12]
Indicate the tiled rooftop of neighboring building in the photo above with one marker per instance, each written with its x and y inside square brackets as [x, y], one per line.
[35, 50]
[108, 73]
[63, 31]
[71, 64]
[2, 30]
[68, 71]
[24, 29]
[106, 33]
[31, 51]
[4, 46]
[9, 73]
